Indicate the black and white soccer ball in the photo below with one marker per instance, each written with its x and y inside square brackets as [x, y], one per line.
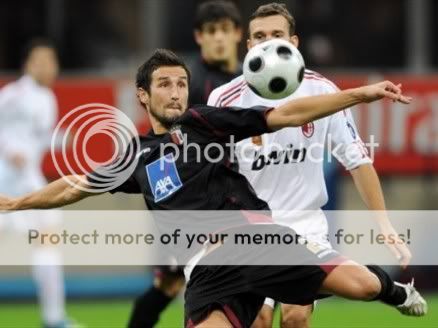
[274, 69]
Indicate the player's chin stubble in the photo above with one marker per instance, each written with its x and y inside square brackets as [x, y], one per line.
[166, 121]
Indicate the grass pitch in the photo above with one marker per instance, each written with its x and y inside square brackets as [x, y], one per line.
[332, 313]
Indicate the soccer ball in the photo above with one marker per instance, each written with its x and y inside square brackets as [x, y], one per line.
[274, 69]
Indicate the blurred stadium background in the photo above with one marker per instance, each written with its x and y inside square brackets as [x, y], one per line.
[101, 43]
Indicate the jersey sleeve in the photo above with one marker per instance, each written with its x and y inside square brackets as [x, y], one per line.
[213, 97]
[348, 148]
[118, 176]
[224, 122]
[343, 136]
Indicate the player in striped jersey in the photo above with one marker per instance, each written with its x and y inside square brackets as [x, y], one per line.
[297, 153]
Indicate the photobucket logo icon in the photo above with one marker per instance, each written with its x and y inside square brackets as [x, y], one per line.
[72, 137]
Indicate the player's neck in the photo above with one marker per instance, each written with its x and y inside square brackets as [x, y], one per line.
[231, 65]
[31, 78]
[233, 62]
[34, 79]
[157, 127]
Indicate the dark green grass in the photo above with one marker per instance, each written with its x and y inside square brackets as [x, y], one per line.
[334, 313]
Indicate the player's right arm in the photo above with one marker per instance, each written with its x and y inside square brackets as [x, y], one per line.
[64, 191]
[304, 110]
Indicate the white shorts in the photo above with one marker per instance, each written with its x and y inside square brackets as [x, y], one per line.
[310, 224]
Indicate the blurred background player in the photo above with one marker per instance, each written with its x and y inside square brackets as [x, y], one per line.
[218, 33]
[305, 188]
[28, 113]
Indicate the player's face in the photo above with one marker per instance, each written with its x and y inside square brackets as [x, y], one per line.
[218, 40]
[168, 94]
[42, 65]
[267, 28]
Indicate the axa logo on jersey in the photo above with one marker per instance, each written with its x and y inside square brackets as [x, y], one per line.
[275, 157]
[163, 177]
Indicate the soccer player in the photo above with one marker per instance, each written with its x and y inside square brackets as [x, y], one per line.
[304, 189]
[218, 33]
[223, 296]
[28, 112]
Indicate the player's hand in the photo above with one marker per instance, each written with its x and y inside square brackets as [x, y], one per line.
[396, 245]
[385, 89]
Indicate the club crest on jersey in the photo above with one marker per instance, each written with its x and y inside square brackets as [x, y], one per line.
[176, 135]
[163, 177]
[308, 129]
[257, 140]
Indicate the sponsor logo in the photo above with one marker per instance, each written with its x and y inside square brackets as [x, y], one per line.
[163, 177]
[275, 157]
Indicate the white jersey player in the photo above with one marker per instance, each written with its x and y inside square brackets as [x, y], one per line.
[286, 167]
[28, 113]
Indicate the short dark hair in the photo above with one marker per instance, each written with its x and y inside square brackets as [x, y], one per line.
[272, 9]
[161, 57]
[212, 11]
[39, 42]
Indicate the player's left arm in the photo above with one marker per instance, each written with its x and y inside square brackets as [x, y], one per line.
[368, 184]
[352, 153]
[243, 123]
[64, 191]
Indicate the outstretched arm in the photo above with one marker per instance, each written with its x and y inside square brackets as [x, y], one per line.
[64, 191]
[368, 184]
[304, 110]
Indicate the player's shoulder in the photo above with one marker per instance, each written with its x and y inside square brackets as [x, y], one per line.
[315, 80]
[28, 84]
[227, 91]
[196, 110]
[234, 84]
[12, 91]
[10, 87]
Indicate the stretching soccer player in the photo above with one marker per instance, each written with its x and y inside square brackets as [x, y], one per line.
[223, 296]
[218, 33]
[304, 189]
